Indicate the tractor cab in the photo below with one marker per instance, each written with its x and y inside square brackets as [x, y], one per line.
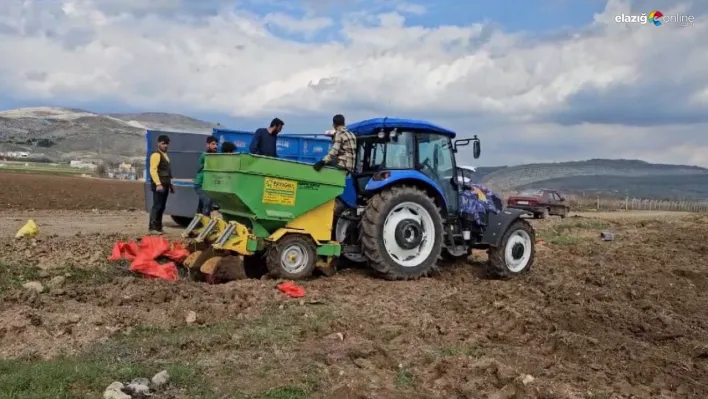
[405, 150]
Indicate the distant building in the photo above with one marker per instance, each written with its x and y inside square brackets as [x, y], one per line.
[83, 165]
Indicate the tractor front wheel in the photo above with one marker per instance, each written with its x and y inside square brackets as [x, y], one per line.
[293, 257]
[401, 233]
[515, 253]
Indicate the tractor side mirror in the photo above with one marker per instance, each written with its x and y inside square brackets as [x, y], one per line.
[476, 149]
[562, 199]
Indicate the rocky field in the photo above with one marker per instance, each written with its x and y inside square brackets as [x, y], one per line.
[594, 319]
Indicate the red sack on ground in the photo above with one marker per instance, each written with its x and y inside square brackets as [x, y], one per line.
[124, 250]
[178, 253]
[143, 256]
[292, 290]
[150, 267]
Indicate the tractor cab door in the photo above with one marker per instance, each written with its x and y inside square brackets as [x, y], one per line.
[436, 160]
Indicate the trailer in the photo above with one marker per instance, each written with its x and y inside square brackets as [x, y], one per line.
[186, 148]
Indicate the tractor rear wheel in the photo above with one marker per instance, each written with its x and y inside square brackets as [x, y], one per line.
[402, 233]
[515, 253]
[293, 257]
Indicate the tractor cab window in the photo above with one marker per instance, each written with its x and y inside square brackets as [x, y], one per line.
[391, 153]
[435, 156]
[436, 160]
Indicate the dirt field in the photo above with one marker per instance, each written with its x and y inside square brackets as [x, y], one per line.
[621, 319]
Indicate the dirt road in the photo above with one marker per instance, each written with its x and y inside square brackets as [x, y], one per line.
[70, 223]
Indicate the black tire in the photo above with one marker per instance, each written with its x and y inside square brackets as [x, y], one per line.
[564, 214]
[497, 266]
[371, 229]
[181, 221]
[448, 257]
[276, 251]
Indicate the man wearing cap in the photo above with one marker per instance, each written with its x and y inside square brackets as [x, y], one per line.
[161, 182]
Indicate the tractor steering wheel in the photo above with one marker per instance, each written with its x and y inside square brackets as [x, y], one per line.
[432, 170]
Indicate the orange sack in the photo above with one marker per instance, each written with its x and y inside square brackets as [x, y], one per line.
[143, 256]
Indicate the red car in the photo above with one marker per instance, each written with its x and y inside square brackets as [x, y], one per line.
[542, 203]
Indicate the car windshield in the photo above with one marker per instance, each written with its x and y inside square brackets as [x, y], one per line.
[531, 193]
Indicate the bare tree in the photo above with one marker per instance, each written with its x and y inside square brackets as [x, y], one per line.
[101, 170]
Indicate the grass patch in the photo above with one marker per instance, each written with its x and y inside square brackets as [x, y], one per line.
[148, 350]
[14, 276]
[564, 239]
[591, 224]
[79, 377]
[572, 232]
[404, 378]
[472, 350]
[96, 275]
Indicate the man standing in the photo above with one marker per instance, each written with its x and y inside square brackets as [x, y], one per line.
[205, 203]
[342, 153]
[264, 141]
[161, 176]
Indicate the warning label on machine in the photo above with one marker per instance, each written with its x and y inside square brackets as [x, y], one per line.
[279, 192]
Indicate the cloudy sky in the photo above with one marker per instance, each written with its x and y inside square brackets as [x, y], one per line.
[537, 80]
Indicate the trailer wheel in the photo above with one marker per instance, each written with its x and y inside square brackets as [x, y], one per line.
[515, 253]
[401, 233]
[293, 257]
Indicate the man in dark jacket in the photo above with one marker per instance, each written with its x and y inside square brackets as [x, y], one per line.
[264, 140]
[205, 203]
[161, 182]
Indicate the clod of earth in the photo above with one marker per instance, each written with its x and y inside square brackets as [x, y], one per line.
[35, 286]
[56, 282]
[115, 391]
[160, 379]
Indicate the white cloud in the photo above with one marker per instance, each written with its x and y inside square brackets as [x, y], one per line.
[307, 26]
[231, 62]
[410, 8]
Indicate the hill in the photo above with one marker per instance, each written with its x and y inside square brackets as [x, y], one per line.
[66, 133]
[605, 176]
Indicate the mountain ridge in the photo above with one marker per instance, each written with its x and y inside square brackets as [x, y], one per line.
[62, 134]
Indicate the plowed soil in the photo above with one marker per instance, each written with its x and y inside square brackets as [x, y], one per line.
[593, 319]
[55, 192]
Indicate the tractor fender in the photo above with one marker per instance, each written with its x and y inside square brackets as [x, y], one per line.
[498, 223]
[348, 196]
[412, 177]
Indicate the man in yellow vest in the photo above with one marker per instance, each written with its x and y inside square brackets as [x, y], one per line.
[161, 182]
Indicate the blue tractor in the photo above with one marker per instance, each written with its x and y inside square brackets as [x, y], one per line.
[401, 211]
